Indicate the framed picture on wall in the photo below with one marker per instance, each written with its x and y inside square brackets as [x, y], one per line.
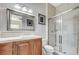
[29, 22]
[41, 19]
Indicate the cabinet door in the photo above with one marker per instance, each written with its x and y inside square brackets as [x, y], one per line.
[6, 49]
[24, 48]
[37, 47]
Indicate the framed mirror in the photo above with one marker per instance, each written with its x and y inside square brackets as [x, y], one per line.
[19, 21]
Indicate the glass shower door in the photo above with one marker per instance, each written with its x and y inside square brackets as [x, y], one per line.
[55, 33]
[58, 46]
[66, 38]
[52, 32]
[70, 32]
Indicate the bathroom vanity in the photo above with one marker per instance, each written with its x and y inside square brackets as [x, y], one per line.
[21, 46]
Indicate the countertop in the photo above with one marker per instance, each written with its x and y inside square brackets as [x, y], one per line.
[19, 38]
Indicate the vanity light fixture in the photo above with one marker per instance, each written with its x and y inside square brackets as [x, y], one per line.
[24, 9]
[17, 6]
[30, 11]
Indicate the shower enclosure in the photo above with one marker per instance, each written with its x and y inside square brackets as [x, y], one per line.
[63, 32]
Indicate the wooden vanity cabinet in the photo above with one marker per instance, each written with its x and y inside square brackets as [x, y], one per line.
[6, 49]
[23, 47]
[37, 46]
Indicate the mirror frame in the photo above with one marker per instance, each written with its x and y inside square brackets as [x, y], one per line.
[8, 12]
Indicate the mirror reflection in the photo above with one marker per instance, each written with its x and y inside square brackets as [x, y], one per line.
[19, 21]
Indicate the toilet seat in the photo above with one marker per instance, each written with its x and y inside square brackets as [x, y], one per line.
[48, 49]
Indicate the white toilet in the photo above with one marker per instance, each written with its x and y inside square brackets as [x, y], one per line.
[47, 49]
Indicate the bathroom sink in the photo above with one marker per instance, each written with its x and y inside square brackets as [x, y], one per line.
[29, 36]
[9, 39]
[22, 37]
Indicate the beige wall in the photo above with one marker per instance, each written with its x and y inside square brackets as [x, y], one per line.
[51, 11]
[65, 6]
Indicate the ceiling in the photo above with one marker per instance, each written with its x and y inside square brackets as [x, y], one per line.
[55, 4]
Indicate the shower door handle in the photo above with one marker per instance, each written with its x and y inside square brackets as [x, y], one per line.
[60, 39]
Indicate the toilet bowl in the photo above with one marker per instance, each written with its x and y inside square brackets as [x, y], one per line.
[48, 49]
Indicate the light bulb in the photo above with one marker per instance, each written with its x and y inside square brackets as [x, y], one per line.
[24, 9]
[30, 11]
[17, 6]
